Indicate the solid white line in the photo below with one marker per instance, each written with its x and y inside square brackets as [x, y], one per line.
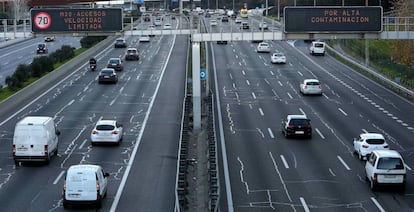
[58, 177]
[377, 204]
[270, 133]
[343, 162]
[138, 141]
[261, 112]
[343, 112]
[305, 206]
[284, 161]
[319, 132]
[229, 195]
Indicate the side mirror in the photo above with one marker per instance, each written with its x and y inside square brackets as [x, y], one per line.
[106, 174]
[57, 132]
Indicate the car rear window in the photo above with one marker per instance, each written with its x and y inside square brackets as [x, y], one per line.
[106, 71]
[375, 141]
[114, 61]
[132, 51]
[313, 83]
[319, 45]
[299, 122]
[390, 163]
[105, 127]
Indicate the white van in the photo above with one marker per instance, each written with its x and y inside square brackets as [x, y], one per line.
[317, 47]
[35, 139]
[386, 167]
[85, 185]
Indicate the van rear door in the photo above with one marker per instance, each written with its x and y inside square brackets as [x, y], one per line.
[30, 140]
[81, 186]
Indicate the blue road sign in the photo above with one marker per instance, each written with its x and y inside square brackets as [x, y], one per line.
[140, 1]
[203, 74]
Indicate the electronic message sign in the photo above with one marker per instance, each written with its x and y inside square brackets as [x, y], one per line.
[67, 20]
[333, 19]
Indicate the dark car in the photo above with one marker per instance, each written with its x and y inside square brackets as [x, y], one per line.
[225, 19]
[147, 18]
[115, 63]
[296, 125]
[132, 54]
[120, 43]
[107, 75]
[224, 42]
[41, 48]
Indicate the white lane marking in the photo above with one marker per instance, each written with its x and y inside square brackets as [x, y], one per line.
[290, 96]
[261, 112]
[280, 83]
[343, 162]
[305, 206]
[300, 73]
[241, 175]
[231, 76]
[284, 161]
[58, 177]
[244, 73]
[332, 173]
[247, 81]
[254, 95]
[280, 177]
[234, 85]
[270, 133]
[343, 112]
[364, 130]
[271, 72]
[138, 140]
[267, 82]
[319, 132]
[377, 204]
[303, 112]
[83, 144]
[409, 168]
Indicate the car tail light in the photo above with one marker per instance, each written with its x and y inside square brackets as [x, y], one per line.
[14, 150]
[320, 86]
[98, 187]
[115, 132]
[46, 150]
[94, 132]
[375, 176]
[365, 146]
[305, 87]
[290, 126]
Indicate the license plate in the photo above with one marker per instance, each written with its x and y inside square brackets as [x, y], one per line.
[390, 176]
[106, 77]
[300, 132]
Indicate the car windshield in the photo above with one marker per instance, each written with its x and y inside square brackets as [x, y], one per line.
[299, 122]
[41, 45]
[120, 40]
[390, 163]
[375, 141]
[105, 127]
[132, 51]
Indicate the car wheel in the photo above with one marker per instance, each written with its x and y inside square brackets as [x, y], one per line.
[56, 151]
[373, 185]
[402, 187]
[93, 143]
[16, 163]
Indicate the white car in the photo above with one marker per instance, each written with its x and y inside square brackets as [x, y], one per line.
[158, 22]
[263, 47]
[368, 142]
[263, 25]
[213, 22]
[386, 167]
[167, 26]
[107, 131]
[311, 86]
[144, 38]
[278, 57]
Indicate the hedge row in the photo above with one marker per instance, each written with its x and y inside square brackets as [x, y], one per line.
[38, 67]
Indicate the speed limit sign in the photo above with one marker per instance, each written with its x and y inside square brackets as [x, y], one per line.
[42, 20]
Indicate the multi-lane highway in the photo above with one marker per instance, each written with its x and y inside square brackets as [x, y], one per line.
[262, 170]
[147, 100]
[268, 172]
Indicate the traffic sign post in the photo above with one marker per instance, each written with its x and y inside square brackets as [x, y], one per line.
[203, 74]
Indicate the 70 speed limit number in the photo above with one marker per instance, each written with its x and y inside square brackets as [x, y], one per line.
[42, 20]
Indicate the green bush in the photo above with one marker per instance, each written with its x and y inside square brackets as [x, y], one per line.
[22, 72]
[64, 53]
[89, 41]
[13, 82]
[41, 65]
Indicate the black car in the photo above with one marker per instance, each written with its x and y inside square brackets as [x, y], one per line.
[120, 43]
[115, 63]
[147, 18]
[224, 42]
[297, 125]
[107, 75]
[41, 48]
[225, 19]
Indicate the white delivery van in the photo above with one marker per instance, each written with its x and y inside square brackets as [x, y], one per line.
[317, 47]
[35, 139]
[85, 185]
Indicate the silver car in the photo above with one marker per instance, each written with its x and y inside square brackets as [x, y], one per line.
[311, 86]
